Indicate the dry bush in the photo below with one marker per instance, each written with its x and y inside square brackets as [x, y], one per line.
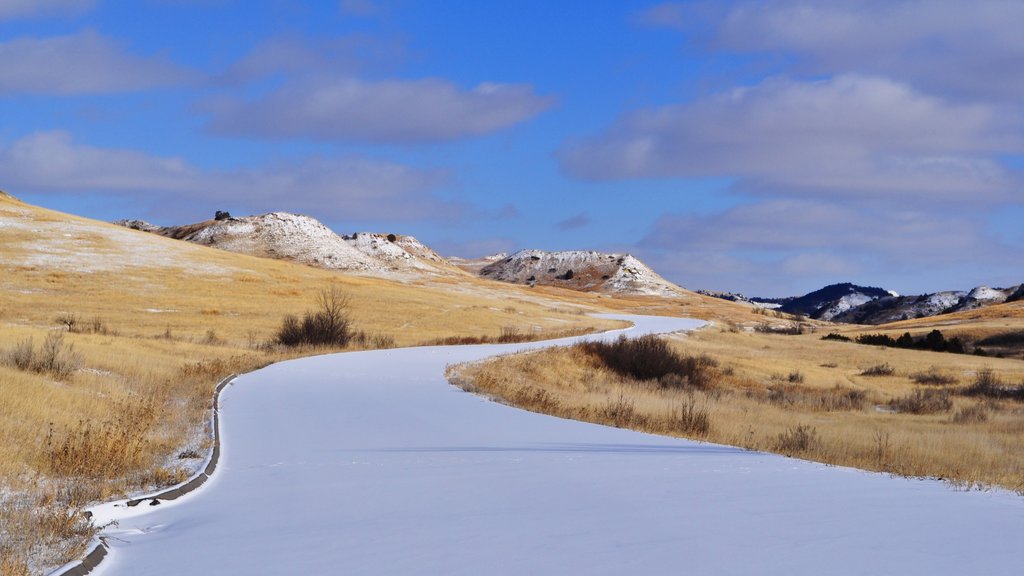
[53, 358]
[988, 384]
[104, 450]
[328, 325]
[692, 417]
[974, 414]
[835, 399]
[622, 413]
[798, 440]
[926, 401]
[650, 358]
[934, 378]
[879, 370]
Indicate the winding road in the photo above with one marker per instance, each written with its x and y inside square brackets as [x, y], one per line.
[371, 463]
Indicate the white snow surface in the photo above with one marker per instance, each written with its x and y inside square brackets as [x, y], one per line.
[620, 273]
[988, 295]
[284, 235]
[371, 463]
[404, 252]
[847, 302]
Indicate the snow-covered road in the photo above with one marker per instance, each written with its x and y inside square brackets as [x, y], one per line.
[370, 463]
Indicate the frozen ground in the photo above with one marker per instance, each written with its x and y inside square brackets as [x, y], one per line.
[370, 463]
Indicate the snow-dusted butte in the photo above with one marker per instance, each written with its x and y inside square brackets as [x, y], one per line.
[371, 463]
[580, 270]
[306, 240]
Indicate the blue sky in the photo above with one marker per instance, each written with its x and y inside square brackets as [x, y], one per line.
[768, 147]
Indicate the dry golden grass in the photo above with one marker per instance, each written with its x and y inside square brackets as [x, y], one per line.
[156, 324]
[796, 395]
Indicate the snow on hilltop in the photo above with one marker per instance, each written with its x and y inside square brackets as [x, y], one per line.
[580, 270]
[305, 240]
[401, 252]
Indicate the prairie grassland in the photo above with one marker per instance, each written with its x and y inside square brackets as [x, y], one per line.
[147, 326]
[795, 395]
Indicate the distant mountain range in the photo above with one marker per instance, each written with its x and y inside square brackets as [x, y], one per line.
[855, 304]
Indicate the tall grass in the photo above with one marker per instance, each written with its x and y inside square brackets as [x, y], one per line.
[878, 422]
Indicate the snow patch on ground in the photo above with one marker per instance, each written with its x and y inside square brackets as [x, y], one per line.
[74, 246]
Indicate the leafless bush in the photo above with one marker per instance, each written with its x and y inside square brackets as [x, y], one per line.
[799, 439]
[21, 356]
[927, 401]
[971, 414]
[375, 341]
[53, 357]
[328, 325]
[987, 384]
[933, 377]
[650, 358]
[836, 399]
[509, 335]
[879, 370]
[622, 413]
[74, 323]
[691, 417]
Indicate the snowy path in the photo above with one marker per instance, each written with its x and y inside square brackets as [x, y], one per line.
[370, 463]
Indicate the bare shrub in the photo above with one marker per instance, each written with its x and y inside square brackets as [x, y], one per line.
[650, 358]
[975, 414]
[69, 321]
[621, 412]
[927, 401]
[328, 325]
[21, 356]
[53, 357]
[934, 378]
[56, 358]
[510, 335]
[795, 377]
[799, 439]
[879, 370]
[691, 417]
[836, 399]
[375, 341]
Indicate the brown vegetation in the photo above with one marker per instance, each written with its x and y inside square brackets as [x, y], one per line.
[838, 412]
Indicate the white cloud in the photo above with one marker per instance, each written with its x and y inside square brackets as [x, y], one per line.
[83, 63]
[947, 46]
[851, 136]
[769, 247]
[340, 56]
[351, 188]
[11, 9]
[385, 111]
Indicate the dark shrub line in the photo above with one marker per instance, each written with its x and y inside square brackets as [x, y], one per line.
[650, 358]
[934, 341]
